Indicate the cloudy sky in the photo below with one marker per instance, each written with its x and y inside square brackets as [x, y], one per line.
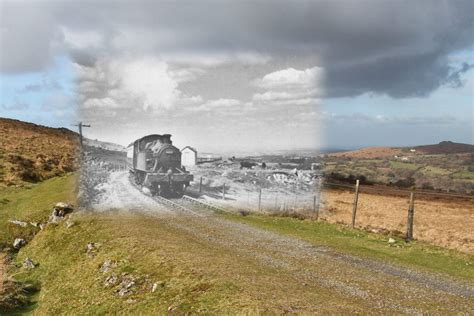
[243, 75]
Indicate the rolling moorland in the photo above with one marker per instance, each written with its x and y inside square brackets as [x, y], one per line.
[30, 153]
[445, 167]
[145, 262]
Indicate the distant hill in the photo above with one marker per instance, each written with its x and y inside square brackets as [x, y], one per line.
[32, 153]
[444, 147]
[370, 153]
[104, 145]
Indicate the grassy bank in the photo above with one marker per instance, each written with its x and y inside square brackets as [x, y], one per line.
[66, 273]
[33, 202]
[415, 254]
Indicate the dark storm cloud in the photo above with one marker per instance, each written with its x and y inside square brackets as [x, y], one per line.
[399, 48]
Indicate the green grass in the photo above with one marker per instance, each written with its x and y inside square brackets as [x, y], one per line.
[67, 274]
[432, 170]
[403, 165]
[35, 202]
[418, 255]
[469, 175]
[70, 282]
[371, 161]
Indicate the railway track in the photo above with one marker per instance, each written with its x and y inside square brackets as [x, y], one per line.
[185, 204]
[203, 204]
[190, 205]
[175, 204]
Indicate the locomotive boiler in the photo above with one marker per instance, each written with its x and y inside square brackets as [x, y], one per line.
[155, 163]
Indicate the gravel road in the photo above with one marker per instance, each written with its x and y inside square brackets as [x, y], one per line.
[385, 288]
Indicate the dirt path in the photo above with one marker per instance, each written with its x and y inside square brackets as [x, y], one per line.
[382, 286]
[118, 193]
[378, 286]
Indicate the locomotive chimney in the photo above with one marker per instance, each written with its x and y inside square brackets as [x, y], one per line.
[167, 139]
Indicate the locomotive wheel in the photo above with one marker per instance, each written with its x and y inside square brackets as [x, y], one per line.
[178, 189]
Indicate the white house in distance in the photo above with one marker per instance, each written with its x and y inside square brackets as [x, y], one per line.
[188, 156]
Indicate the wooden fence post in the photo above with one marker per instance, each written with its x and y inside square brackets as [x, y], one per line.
[259, 199]
[314, 207]
[223, 192]
[356, 198]
[411, 211]
[317, 199]
[200, 184]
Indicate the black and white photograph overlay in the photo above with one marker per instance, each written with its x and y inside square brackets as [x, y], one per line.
[236, 157]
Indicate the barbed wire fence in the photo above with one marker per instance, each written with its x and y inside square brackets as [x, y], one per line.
[309, 205]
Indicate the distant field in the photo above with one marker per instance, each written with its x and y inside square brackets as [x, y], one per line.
[444, 172]
[403, 165]
[431, 170]
[441, 221]
[464, 175]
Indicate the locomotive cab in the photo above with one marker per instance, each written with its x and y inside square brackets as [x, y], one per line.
[156, 164]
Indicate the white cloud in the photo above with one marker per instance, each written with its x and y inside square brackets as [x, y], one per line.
[217, 104]
[222, 103]
[214, 59]
[291, 87]
[290, 77]
[186, 74]
[100, 103]
[145, 83]
[148, 80]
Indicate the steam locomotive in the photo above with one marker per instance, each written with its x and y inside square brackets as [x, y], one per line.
[155, 163]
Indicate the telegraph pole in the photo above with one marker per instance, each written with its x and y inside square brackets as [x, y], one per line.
[81, 125]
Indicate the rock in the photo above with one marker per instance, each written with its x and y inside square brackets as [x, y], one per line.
[107, 265]
[244, 212]
[34, 224]
[92, 248]
[111, 280]
[55, 219]
[391, 241]
[19, 223]
[69, 224]
[18, 243]
[42, 226]
[64, 206]
[61, 209]
[126, 285]
[158, 285]
[29, 264]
